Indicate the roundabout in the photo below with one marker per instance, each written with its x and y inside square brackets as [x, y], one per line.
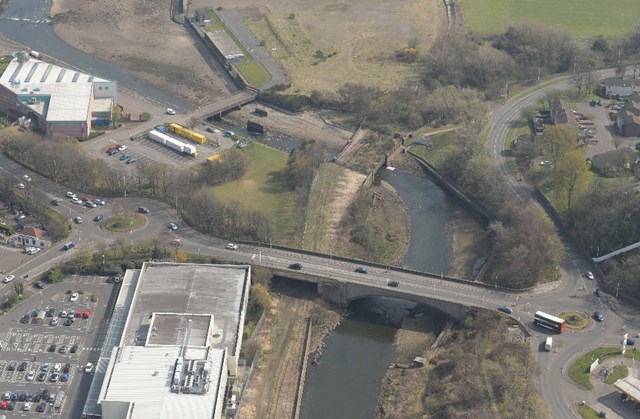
[124, 223]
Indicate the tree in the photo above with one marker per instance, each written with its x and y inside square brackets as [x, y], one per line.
[558, 140]
[570, 173]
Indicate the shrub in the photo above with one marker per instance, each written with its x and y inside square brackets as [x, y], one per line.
[145, 116]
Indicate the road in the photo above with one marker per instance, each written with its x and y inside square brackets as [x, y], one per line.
[575, 292]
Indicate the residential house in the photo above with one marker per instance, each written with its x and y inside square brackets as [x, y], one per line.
[628, 120]
[614, 160]
[561, 113]
[31, 237]
[618, 87]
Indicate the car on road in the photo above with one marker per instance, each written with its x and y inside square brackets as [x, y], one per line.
[99, 201]
[599, 293]
[295, 266]
[598, 316]
[231, 246]
[589, 275]
[122, 147]
[170, 111]
[8, 278]
[393, 283]
[506, 309]
[69, 246]
[143, 210]
[173, 226]
[98, 217]
[78, 220]
[74, 297]
[361, 270]
[27, 178]
[88, 368]
[124, 157]
[71, 195]
[39, 285]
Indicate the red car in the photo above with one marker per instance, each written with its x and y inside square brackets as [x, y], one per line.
[79, 313]
[86, 314]
[110, 149]
[4, 404]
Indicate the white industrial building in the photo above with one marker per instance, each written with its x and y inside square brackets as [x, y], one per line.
[173, 343]
[55, 100]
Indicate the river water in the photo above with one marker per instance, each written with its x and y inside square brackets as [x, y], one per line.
[27, 22]
[346, 382]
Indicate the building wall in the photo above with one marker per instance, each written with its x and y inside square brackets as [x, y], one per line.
[68, 129]
[105, 89]
[28, 241]
[116, 410]
[621, 90]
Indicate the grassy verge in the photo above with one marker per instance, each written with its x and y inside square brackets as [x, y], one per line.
[579, 370]
[443, 146]
[619, 371]
[588, 412]
[582, 18]
[319, 214]
[263, 189]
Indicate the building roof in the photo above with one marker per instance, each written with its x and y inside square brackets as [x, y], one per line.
[143, 375]
[33, 232]
[617, 81]
[629, 386]
[57, 93]
[194, 289]
[614, 158]
[225, 44]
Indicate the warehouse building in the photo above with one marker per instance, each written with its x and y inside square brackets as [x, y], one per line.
[173, 343]
[54, 100]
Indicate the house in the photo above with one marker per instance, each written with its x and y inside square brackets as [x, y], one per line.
[628, 120]
[31, 237]
[613, 161]
[618, 87]
[560, 113]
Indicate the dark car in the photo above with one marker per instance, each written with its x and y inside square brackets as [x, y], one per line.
[295, 266]
[11, 406]
[64, 377]
[23, 397]
[50, 312]
[361, 270]
[506, 309]
[392, 283]
[42, 376]
[143, 210]
[37, 398]
[73, 349]
[23, 366]
[631, 342]
[15, 396]
[67, 366]
[25, 319]
[68, 322]
[98, 217]
[52, 347]
[599, 293]
[598, 316]
[41, 407]
[45, 393]
[39, 285]
[12, 366]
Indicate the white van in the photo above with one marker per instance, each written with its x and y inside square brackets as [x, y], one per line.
[35, 54]
[548, 344]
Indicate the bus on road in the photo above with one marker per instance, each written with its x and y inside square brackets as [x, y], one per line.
[549, 322]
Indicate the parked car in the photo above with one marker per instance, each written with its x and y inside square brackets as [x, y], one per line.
[295, 266]
[8, 278]
[132, 160]
[39, 285]
[590, 275]
[64, 377]
[71, 195]
[361, 270]
[112, 152]
[25, 319]
[231, 246]
[27, 178]
[41, 407]
[598, 316]
[67, 366]
[27, 406]
[50, 312]
[86, 314]
[124, 157]
[63, 349]
[631, 341]
[76, 201]
[11, 366]
[23, 366]
[90, 204]
[506, 309]
[73, 350]
[99, 201]
[31, 375]
[54, 321]
[42, 376]
[393, 283]
[45, 367]
[63, 314]
[170, 111]
[54, 377]
[68, 322]
[52, 347]
[122, 147]
[173, 226]
[74, 297]
[20, 186]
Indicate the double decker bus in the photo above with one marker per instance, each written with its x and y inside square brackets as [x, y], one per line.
[549, 322]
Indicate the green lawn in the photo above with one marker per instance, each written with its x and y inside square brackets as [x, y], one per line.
[443, 145]
[263, 189]
[588, 412]
[579, 370]
[254, 72]
[582, 18]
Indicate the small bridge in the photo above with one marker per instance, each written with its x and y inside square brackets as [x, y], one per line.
[234, 102]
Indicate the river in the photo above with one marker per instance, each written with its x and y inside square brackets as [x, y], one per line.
[27, 23]
[346, 382]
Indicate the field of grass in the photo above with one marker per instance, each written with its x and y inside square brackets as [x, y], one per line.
[619, 371]
[588, 412]
[580, 17]
[254, 72]
[263, 189]
[443, 145]
[124, 223]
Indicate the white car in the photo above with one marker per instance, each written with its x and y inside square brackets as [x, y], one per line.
[171, 111]
[27, 178]
[590, 275]
[99, 201]
[88, 368]
[232, 246]
[74, 297]
[122, 147]
[27, 406]
[71, 195]
[30, 375]
[76, 201]
[54, 321]
[63, 314]
[8, 278]
[20, 186]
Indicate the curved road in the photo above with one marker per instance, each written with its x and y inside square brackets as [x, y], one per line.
[574, 292]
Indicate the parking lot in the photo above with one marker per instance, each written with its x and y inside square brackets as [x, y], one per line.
[45, 344]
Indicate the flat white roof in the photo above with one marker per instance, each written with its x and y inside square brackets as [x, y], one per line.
[629, 386]
[142, 375]
[67, 92]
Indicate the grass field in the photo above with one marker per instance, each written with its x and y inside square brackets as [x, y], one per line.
[443, 145]
[263, 189]
[254, 72]
[319, 213]
[582, 18]
[588, 412]
[579, 370]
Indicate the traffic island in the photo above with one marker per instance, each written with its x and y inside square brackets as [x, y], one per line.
[124, 223]
[575, 320]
